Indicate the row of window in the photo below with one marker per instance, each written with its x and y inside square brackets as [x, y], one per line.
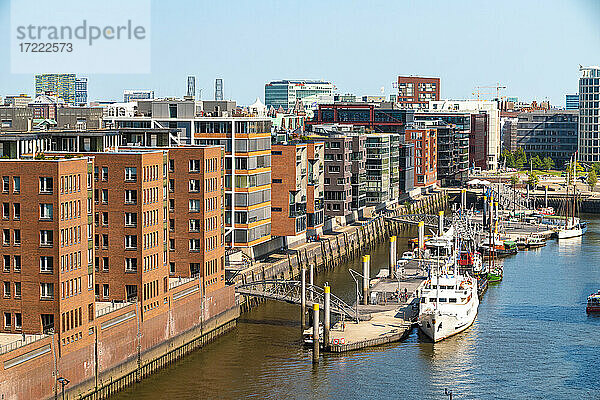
[68, 262]
[7, 290]
[68, 210]
[16, 184]
[8, 321]
[69, 236]
[68, 184]
[16, 263]
[16, 211]
[71, 319]
[70, 288]
[6, 237]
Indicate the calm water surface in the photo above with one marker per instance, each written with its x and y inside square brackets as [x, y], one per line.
[532, 340]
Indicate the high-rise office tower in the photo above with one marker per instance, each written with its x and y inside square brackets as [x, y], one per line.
[63, 85]
[191, 87]
[589, 106]
[219, 89]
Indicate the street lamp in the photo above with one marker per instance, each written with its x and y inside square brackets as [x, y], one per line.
[63, 382]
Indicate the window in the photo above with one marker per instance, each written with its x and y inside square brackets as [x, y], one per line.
[6, 237]
[194, 185]
[5, 184]
[46, 184]
[5, 210]
[16, 210]
[194, 205]
[6, 266]
[194, 165]
[194, 244]
[16, 186]
[7, 290]
[7, 320]
[105, 218]
[130, 196]
[171, 185]
[130, 241]
[17, 290]
[104, 197]
[46, 264]
[17, 237]
[17, 265]
[46, 290]
[18, 321]
[130, 219]
[131, 265]
[105, 174]
[194, 225]
[46, 211]
[171, 165]
[46, 238]
[105, 263]
[105, 292]
[130, 174]
[104, 240]
[131, 292]
[171, 244]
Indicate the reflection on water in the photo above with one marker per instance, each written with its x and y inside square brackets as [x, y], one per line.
[532, 339]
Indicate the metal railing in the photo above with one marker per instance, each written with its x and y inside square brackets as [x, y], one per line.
[114, 306]
[20, 342]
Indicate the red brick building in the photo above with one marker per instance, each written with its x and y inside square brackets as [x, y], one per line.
[417, 92]
[47, 281]
[425, 142]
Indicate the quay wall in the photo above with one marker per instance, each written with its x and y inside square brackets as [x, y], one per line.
[335, 248]
[122, 347]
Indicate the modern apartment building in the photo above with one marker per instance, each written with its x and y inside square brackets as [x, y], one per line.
[297, 200]
[484, 135]
[453, 145]
[424, 138]
[63, 85]
[508, 129]
[382, 169]
[416, 92]
[551, 133]
[589, 107]
[286, 93]
[137, 94]
[358, 156]
[289, 189]
[373, 118]
[47, 275]
[338, 175]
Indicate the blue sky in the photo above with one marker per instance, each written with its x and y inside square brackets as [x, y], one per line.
[533, 47]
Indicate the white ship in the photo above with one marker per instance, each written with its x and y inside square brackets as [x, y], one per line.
[449, 301]
[574, 229]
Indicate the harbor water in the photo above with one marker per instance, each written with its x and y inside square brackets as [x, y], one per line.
[532, 340]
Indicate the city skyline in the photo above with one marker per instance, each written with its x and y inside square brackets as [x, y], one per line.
[462, 44]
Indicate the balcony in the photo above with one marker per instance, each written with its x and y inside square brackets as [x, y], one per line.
[297, 209]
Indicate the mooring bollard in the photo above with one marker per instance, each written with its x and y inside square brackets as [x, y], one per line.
[311, 279]
[327, 316]
[315, 333]
[440, 223]
[393, 255]
[303, 301]
[485, 204]
[366, 272]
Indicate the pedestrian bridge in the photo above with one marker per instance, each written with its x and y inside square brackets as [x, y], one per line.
[291, 292]
[414, 219]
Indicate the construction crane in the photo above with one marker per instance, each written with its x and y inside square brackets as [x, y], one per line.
[497, 87]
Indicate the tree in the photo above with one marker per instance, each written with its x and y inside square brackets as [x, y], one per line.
[520, 159]
[596, 167]
[514, 180]
[532, 179]
[592, 179]
[547, 163]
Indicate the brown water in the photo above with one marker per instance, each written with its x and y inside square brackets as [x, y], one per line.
[532, 340]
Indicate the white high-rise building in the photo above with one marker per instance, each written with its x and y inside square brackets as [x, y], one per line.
[589, 105]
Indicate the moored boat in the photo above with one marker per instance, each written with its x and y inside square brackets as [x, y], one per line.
[593, 303]
[495, 274]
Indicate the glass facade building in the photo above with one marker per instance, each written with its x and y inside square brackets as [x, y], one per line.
[589, 106]
[63, 85]
[285, 93]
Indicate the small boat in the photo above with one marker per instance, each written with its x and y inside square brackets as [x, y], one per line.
[593, 303]
[495, 274]
[500, 249]
[307, 335]
[521, 242]
[535, 241]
